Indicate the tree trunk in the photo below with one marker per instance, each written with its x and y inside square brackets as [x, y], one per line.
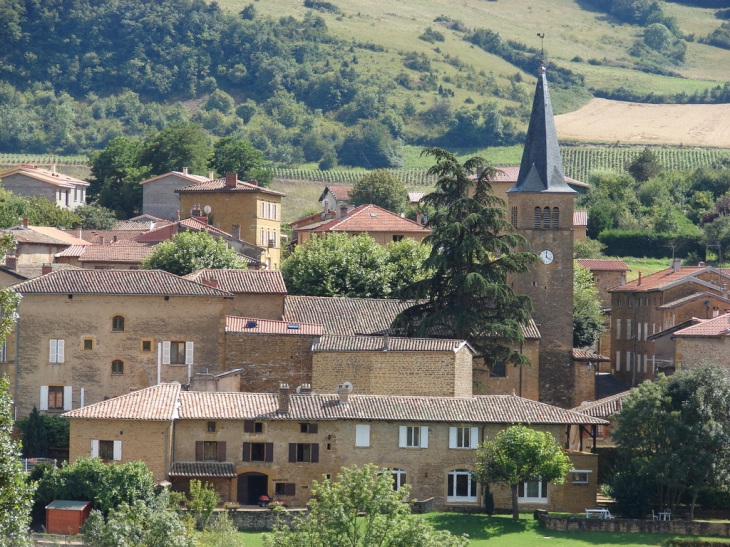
[515, 512]
[692, 505]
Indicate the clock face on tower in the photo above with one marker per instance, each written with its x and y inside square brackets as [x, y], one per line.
[546, 257]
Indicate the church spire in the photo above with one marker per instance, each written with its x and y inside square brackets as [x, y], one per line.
[541, 169]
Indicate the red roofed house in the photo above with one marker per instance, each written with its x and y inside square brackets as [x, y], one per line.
[119, 255]
[652, 304]
[607, 273]
[336, 198]
[708, 341]
[28, 180]
[380, 224]
[39, 244]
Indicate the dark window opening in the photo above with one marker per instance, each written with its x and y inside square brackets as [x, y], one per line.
[118, 323]
[146, 345]
[55, 397]
[546, 218]
[177, 353]
[88, 344]
[258, 452]
[106, 450]
[211, 427]
[117, 367]
[498, 370]
[210, 450]
[304, 452]
[538, 217]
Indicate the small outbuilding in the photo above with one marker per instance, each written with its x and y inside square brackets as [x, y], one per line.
[66, 517]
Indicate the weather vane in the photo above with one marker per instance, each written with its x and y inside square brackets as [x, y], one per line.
[541, 35]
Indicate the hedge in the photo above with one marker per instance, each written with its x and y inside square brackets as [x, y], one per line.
[651, 244]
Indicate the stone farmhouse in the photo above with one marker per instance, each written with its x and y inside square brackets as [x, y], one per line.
[38, 244]
[65, 191]
[707, 341]
[251, 444]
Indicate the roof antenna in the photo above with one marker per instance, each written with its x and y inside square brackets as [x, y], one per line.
[541, 35]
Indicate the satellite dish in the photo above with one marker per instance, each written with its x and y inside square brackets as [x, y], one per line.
[347, 385]
[299, 390]
[207, 209]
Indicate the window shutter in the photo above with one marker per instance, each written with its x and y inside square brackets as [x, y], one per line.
[60, 355]
[166, 352]
[94, 449]
[290, 489]
[246, 452]
[424, 436]
[67, 397]
[314, 428]
[452, 437]
[248, 426]
[362, 435]
[315, 452]
[269, 452]
[403, 436]
[198, 451]
[292, 452]
[188, 353]
[52, 354]
[474, 437]
[221, 451]
[44, 398]
[117, 451]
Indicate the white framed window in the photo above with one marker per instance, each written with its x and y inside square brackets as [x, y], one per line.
[362, 435]
[638, 330]
[56, 398]
[533, 492]
[177, 353]
[461, 486]
[263, 209]
[646, 331]
[463, 437]
[618, 329]
[580, 476]
[413, 436]
[628, 361]
[646, 362]
[399, 478]
[106, 450]
[56, 353]
[276, 212]
[628, 329]
[618, 361]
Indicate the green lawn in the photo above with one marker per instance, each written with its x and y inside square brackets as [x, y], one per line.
[502, 531]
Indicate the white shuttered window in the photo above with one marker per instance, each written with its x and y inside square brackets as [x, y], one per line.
[362, 435]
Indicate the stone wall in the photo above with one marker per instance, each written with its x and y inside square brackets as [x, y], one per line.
[159, 198]
[692, 351]
[260, 306]
[605, 281]
[437, 374]
[269, 359]
[260, 519]
[685, 527]
[522, 381]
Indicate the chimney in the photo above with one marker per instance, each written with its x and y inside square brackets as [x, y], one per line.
[236, 232]
[211, 175]
[283, 399]
[343, 210]
[305, 389]
[419, 217]
[115, 239]
[178, 215]
[46, 268]
[25, 223]
[210, 283]
[343, 390]
[203, 381]
[185, 170]
[195, 211]
[386, 342]
[231, 180]
[11, 260]
[53, 168]
[80, 232]
[676, 264]
[253, 182]
[639, 283]
[103, 240]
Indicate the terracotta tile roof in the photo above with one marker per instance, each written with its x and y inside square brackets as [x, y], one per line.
[415, 197]
[690, 298]
[96, 236]
[170, 229]
[194, 179]
[502, 409]
[219, 185]
[719, 326]
[126, 252]
[602, 408]
[44, 235]
[243, 281]
[658, 280]
[340, 193]
[603, 265]
[583, 355]
[311, 219]
[203, 469]
[507, 173]
[195, 223]
[147, 217]
[371, 218]
[140, 225]
[573, 182]
[45, 175]
[117, 282]
[156, 403]
[253, 325]
[580, 218]
[33, 270]
[73, 251]
[347, 344]
[352, 316]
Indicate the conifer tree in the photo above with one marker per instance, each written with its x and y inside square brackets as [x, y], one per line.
[35, 441]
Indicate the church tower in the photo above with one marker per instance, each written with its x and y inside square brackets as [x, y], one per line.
[540, 207]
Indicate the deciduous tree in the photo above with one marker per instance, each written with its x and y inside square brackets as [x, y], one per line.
[645, 166]
[116, 175]
[519, 454]
[587, 315]
[175, 147]
[187, 252]
[382, 188]
[96, 217]
[238, 156]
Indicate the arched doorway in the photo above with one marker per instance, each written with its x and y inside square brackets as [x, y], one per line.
[251, 486]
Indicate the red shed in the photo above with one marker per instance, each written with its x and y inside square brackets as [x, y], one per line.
[66, 517]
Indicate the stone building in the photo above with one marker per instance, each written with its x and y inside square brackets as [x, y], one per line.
[253, 444]
[649, 305]
[607, 274]
[23, 272]
[540, 207]
[38, 244]
[708, 341]
[120, 255]
[255, 210]
[587, 437]
[65, 191]
[158, 193]
[256, 293]
[86, 335]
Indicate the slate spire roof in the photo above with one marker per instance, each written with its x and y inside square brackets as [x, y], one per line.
[541, 169]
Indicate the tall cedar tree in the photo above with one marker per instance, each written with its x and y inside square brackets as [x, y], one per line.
[473, 252]
[35, 441]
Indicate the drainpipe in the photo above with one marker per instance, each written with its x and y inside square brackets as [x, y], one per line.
[17, 368]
